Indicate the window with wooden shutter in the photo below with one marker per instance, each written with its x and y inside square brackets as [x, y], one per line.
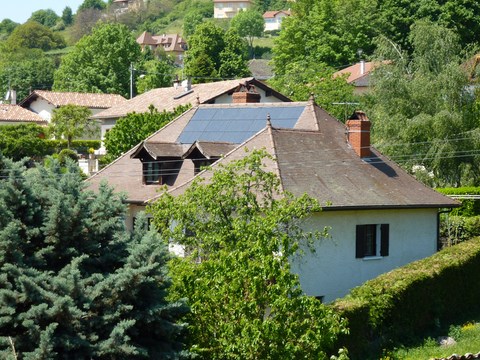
[372, 240]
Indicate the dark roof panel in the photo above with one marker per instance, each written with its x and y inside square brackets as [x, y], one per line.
[236, 124]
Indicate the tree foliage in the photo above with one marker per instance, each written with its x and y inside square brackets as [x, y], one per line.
[75, 283]
[23, 140]
[248, 24]
[99, 62]
[423, 109]
[47, 17]
[25, 70]
[67, 15]
[6, 28]
[92, 4]
[209, 49]
[302, 80]
[33, 35]
[157, 73]
[240, 232]
[71, 121]
[136, 127]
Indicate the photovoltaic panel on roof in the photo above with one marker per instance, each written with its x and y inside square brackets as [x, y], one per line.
[236, 124]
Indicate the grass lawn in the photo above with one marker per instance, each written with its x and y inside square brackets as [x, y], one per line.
[467, 337]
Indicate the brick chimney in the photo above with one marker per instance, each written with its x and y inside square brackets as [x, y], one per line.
[245, 93]
[358, 133]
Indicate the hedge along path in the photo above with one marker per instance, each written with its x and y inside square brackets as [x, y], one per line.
[412, 300]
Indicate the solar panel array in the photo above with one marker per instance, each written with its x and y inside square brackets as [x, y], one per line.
[236, 125]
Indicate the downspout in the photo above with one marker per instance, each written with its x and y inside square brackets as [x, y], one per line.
[439, 245]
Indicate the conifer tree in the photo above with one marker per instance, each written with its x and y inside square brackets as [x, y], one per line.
[74, 283]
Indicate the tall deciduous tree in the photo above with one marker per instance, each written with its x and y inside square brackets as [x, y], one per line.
[423, 109]
[209, 50]
[75, 283]
[303, 79]
[92, 4]
[67, 15]
[240, 231]
[157, 73]
[47, 17]
[72, 121]
[100, 62]
[34, 35]
[248, 24]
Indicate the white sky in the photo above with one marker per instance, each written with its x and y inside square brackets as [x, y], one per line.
[20, 10]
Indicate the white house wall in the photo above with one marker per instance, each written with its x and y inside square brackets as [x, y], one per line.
[42, 108]
[332, 271]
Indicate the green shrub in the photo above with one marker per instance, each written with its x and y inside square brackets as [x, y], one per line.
[470, 207]
[455, 229]
[413, 300]
[67, 154]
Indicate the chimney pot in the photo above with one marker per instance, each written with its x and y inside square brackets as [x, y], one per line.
[358, 133]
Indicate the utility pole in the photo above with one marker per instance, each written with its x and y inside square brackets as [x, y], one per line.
[131, 80]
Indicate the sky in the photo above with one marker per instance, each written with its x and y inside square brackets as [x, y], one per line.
[20, 10]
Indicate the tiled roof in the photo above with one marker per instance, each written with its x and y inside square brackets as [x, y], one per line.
[358, 73]
[170, 42]
[260, 69]
[125, 174]
[272, 14]
[323, 165]
[171, 97]
[16, 113]
[210, 149]
[311, 156]
[90, 100]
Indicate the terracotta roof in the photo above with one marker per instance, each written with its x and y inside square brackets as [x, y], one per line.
[171, 97]
[90, 100]
[358, 73]
[272, 14]
[146, 39]
[16, 113]
[170, 42]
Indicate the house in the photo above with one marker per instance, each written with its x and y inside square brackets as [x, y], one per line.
[43, 102]
[359, 75]
[227, 9]
[273, 19]
[11, 114]
[167, 99]
[172, 44]
[379, 217]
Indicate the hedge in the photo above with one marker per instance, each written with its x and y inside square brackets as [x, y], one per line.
[81, 146]
[411, 301]
[470, 207]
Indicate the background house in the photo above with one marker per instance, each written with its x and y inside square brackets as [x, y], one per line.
[220, 92]
[273, 19]
[359, 75]
[43, 102]
[227, 9]
[379, 216]
[11, 114]
[172, 44]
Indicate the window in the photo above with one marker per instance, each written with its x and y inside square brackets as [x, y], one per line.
[151, 172]
[372, 240]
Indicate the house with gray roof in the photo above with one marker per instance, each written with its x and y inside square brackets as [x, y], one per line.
[379, 217]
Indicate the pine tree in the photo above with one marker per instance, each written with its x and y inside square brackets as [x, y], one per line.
[74, 283]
